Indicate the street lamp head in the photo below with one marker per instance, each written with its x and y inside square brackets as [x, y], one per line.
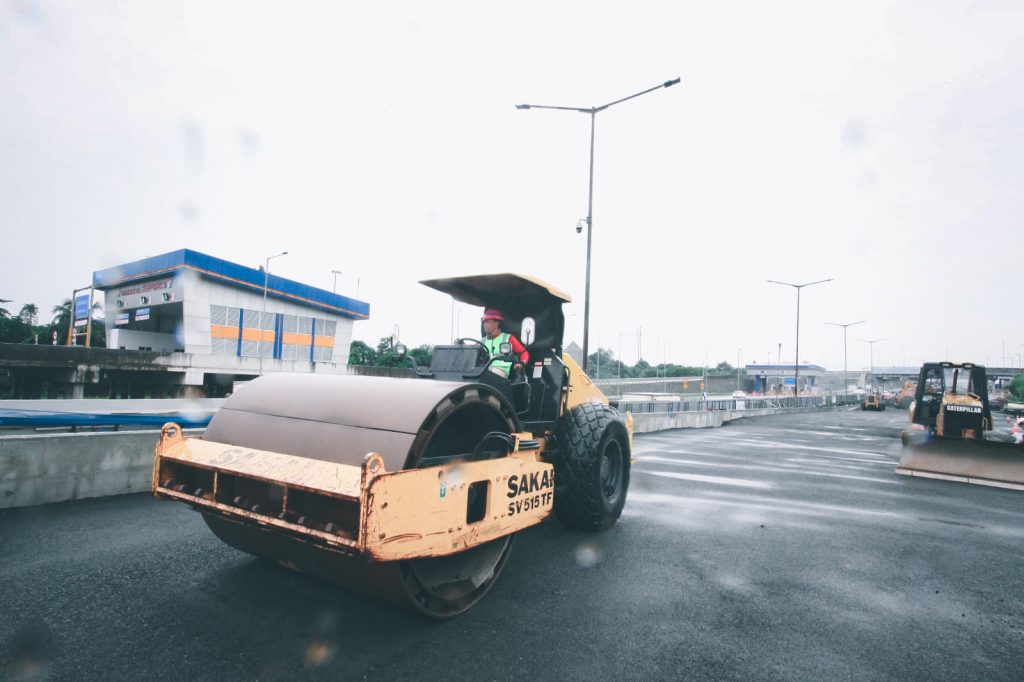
[669, 84]
[522, 106]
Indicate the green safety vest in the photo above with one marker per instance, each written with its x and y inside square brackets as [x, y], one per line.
[493, 347]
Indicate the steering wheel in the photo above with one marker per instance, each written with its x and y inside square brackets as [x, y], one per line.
[482, 352]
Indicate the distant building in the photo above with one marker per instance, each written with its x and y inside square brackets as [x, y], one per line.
[574, 351]
[189, 302]
[773, 378]
[185, 324]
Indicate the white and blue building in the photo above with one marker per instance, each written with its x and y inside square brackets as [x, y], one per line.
[218, 317]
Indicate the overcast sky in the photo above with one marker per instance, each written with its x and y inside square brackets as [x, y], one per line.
[879, 144]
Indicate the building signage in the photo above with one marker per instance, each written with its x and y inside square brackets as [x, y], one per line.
[122, 318]
[144, 294]
[82, 306]
[147, 287]
[141, 314]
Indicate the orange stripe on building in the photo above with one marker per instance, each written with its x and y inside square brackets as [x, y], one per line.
[296, 339]
[220, 331]
[265, 335]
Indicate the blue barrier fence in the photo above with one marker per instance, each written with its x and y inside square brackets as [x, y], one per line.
[28, 419]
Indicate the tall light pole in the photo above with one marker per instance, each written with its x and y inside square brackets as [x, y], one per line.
[780, 366]
[738, 368]
[335, 273]
[846, 383]
[621, 334]
[872, 342]
[796, 362]
[263, 310]
[593, 111]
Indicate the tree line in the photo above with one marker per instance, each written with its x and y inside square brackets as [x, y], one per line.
[25, 327]
[602, 365]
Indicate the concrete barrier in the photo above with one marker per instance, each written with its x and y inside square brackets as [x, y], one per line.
[40, 469]
[664, 421]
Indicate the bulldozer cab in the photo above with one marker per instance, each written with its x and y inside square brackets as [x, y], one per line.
[538, 392]
[952, 399]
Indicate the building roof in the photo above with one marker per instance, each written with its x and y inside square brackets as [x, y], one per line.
[231, 274]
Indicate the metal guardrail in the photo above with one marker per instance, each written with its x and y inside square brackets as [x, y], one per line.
[767, 402]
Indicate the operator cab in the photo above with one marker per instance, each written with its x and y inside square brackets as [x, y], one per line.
[533, 313]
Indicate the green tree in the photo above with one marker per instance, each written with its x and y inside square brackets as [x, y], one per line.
[422, 355]
[29, 314]
[62, 320]
[13, 330]
[602, 364]
[1017, 387]
[361, 354]
[99, 333]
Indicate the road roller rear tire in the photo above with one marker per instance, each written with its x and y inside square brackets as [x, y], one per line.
[592, 473]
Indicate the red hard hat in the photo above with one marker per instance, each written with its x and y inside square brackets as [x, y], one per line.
[492, 314]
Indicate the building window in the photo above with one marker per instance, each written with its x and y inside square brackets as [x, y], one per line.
[144, 300]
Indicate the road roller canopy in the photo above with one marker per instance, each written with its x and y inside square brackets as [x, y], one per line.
[517, 297]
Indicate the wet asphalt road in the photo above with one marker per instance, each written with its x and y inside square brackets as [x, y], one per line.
[774, 548]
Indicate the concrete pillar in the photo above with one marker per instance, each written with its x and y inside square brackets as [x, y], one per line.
[193, 393]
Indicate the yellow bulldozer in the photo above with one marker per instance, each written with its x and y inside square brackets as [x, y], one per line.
[950, 416]
[906, 395]
[411, 489]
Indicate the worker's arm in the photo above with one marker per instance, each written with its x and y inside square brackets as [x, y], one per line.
[519, 349]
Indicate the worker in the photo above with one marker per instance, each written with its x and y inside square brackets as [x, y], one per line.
[494, 337]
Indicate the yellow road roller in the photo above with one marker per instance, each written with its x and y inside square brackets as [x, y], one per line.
[950, 416]
[411, 489]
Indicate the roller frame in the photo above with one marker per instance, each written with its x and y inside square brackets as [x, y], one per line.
[402, 515]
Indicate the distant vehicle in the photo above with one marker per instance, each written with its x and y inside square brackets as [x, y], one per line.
[873, 402]
[738, 395]
[906, 394]
[996, 401]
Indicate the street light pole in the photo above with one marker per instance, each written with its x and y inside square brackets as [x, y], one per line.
[872, 342]
[593, 111]
[780, 367]
[335, 273]
[846, 383]
[796, 362]
[263, 310]
[738, 368]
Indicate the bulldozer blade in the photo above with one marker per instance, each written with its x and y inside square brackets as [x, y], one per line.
[982, 462]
